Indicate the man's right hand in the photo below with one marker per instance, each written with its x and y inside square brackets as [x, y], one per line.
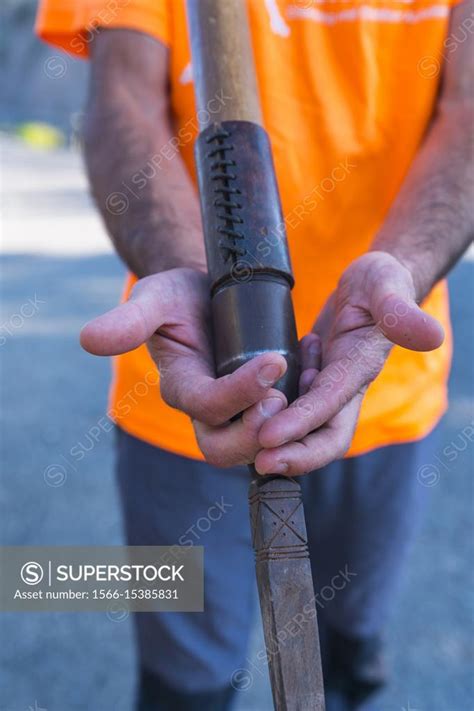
[169, 312]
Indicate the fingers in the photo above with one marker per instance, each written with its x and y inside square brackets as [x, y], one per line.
[391, 295]
[310, 360]
[237, 443]
[403, 322]
[129, 325]
[306, 380]
[335, 386]
[154, 301]
[314, 451]
[310, 351]
[118, 331]
[168, 311]
[189, 385]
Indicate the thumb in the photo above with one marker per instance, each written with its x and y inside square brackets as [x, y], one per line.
[131, 324]
[402, 321]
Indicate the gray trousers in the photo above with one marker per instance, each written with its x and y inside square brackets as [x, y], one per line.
[361, 515]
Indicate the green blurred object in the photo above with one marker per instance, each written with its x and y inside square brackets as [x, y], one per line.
[40, 135]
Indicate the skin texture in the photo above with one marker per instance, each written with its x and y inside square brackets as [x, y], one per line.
[374, 306]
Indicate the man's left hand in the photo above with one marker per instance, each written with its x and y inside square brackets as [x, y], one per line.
[373, 307]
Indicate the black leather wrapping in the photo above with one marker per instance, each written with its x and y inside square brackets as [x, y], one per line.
[242, 219]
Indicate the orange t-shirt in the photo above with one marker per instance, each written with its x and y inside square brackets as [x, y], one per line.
[347, 89]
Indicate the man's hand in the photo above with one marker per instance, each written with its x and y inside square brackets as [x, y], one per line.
[372, 308]
[169, 312]
[427, 229]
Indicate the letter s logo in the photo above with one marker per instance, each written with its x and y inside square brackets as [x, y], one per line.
[31, 573]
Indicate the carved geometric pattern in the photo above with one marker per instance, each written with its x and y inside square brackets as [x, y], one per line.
[278, 524]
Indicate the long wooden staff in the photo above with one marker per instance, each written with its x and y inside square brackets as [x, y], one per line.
[252, 313]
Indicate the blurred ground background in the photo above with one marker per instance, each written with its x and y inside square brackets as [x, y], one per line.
[57, 271]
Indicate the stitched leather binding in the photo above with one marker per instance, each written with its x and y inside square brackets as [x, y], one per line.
[241, 212]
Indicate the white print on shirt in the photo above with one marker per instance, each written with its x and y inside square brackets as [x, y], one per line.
[277, 24]
[186, 76]
[306, 10]
[367, 13]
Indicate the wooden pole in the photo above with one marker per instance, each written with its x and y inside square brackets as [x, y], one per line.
[222, 59]
[252, 313]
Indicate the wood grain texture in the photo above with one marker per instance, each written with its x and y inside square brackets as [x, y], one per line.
[222, 59]
[286, 594]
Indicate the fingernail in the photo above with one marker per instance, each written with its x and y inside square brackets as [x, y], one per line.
[270, 406]
[269, 374]
[280, 468]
